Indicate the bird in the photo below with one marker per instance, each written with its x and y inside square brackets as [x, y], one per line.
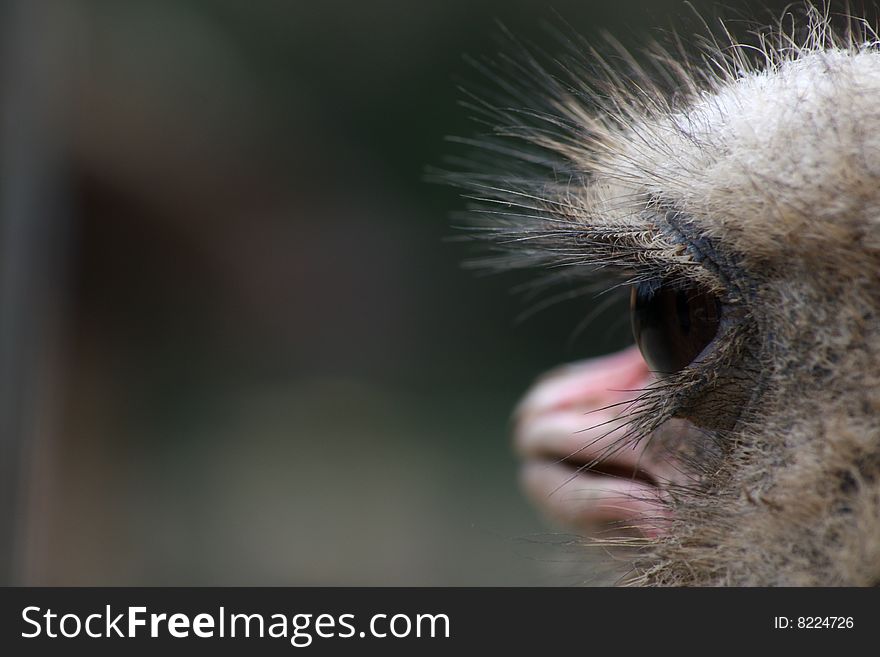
[732, 189]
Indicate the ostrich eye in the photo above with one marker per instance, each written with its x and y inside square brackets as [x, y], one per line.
[672, 324]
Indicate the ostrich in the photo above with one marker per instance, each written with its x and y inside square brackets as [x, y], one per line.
[735, 196]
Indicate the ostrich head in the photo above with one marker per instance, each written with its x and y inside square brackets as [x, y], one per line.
[737, 195]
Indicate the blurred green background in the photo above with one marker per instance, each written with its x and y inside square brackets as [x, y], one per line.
[259, 358]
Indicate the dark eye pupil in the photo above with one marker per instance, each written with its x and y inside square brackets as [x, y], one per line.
[672, 324]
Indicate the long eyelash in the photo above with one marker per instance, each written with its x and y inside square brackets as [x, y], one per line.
[526, 226]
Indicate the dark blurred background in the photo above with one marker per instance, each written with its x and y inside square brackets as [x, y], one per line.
[237, 345]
